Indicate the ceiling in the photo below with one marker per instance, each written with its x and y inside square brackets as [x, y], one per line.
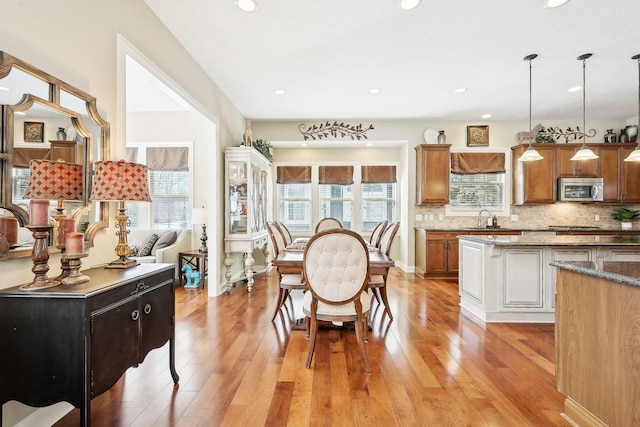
[327, 54]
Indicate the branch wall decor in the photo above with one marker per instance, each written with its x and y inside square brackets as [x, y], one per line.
[335, 129]
[568, 134]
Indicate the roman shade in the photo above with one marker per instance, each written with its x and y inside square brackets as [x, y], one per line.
[21, 156]
[168, 158]
[293, 174]
[378, 174]
[469, 163]
[340, 175]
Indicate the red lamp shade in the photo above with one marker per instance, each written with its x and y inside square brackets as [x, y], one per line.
[54, 180]
[120, 181]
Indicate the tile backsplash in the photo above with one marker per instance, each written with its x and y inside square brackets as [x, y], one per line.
[529, 217]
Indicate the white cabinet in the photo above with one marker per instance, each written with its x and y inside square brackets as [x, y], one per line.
[523, 284]
[247, 178]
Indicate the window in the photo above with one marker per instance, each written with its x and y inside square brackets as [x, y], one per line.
[294, 206]
[377, 204]
[336, 201]
[359, 197]
[169, 187]
[478, 181]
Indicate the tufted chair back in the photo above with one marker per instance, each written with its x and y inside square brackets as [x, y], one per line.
[336, 266]
[327, 224]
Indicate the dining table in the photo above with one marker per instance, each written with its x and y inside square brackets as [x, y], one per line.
[289, 261]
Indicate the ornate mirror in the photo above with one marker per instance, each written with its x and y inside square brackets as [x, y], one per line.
[45, 118]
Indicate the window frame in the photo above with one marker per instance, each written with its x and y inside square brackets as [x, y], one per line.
[506, 208]
[145, 220]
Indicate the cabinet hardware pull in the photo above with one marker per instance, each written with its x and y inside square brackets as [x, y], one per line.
[139, 287]
[135, 314]
[147, 309]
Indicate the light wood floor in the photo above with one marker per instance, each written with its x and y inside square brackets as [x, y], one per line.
[431, 367]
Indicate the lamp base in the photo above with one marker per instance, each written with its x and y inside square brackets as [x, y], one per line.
[122, 262]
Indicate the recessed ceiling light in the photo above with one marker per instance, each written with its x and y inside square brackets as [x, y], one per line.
[247, 5]
[374, 91]
[279, 91]
[409, 4]
[460, 90]
[20, 113]
[4, 88]
[486, 116]
[550, 4]
[575, 89]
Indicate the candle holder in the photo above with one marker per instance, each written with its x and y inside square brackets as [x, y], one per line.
[40, 257]
[64, 264]
[74, 263]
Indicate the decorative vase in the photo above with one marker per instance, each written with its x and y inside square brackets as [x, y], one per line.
[442, 138]
[610, 136]
[61, 135]
[626, 225]
[632, 132]
[623, 136]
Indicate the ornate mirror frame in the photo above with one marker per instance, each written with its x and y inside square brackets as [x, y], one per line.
[100, 216]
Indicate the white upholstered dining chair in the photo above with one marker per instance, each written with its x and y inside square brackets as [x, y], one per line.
[378, 282]
[327, 224]
[336, 273]
[286, 282]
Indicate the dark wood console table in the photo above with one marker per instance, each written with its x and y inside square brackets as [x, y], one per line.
[73, 342]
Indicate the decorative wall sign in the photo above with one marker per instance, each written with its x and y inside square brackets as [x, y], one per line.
[335, 129]
[477, 136]
[33, 132]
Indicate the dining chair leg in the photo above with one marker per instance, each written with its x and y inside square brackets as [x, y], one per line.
[376, 293]
[312, 339]
[359, 337]
[385, 300]
[281, 299]
[365, 325]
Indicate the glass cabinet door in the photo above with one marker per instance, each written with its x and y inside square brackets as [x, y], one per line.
[237, 193]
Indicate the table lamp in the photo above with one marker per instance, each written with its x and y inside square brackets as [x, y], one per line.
[120, 181]
[200, 216]
[48, 180]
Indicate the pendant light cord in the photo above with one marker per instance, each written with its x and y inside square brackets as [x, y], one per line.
[584, 58]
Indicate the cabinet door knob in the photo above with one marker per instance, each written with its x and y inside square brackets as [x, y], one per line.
[135, 314]
[147, 309]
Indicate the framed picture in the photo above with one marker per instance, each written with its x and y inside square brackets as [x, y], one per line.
[33, 132]
[477, 136]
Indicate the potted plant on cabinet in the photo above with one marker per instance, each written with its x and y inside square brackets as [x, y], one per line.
[625, 216]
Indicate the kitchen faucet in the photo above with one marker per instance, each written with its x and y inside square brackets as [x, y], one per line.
[480, 223]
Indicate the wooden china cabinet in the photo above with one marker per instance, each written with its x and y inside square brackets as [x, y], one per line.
[247, 178]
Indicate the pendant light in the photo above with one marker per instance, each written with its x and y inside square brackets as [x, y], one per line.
[634, 156]
[584, 153]
[530, 154]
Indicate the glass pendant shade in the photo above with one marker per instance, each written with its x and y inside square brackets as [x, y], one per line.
[584, 153]
[530, 155]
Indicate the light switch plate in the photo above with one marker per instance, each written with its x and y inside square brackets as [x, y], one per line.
[418, 217]
[514, 218]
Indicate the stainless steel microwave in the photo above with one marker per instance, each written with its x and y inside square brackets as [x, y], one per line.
[580, 189]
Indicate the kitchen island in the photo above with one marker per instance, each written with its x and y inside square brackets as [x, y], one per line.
[509, 278]
[598, 342]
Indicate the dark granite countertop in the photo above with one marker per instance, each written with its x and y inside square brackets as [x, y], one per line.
[621, 272]
[565, 240]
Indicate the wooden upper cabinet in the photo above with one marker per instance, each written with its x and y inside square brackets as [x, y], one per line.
[433, 166]
[567, 167]
[534, 182]
[609, 169]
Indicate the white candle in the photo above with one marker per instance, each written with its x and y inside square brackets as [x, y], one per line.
[67, 225]
[39, 214]
[74, 243]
